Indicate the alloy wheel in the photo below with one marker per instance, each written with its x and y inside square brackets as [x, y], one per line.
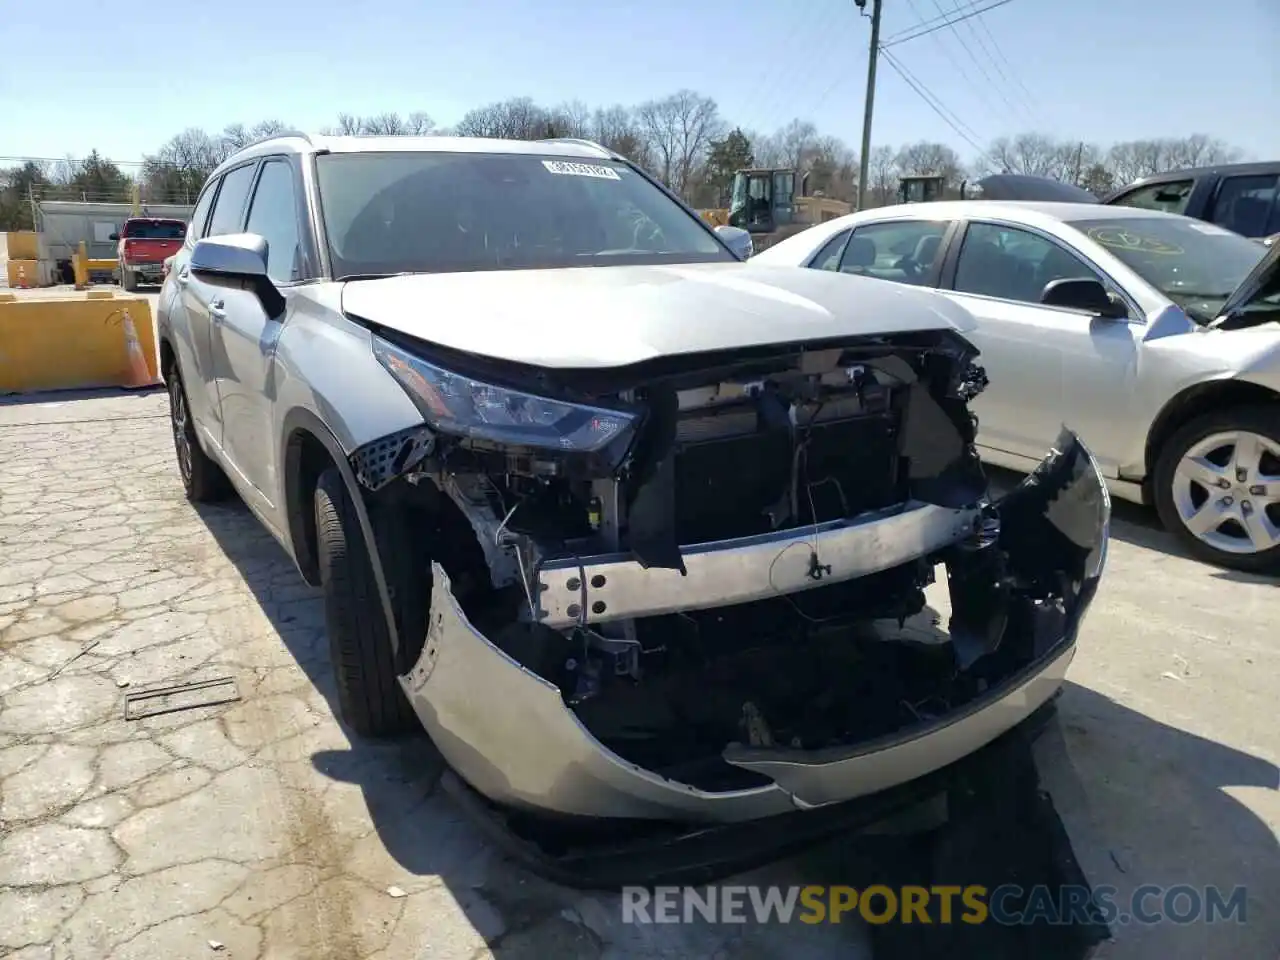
[1226, 489]
[181, 436]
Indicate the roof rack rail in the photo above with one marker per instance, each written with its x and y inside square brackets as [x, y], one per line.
[582, 142]
[300, 134]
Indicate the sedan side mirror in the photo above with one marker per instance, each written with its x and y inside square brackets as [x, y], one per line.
[1083, 294]
[737, 240]
[114, 236]
[238, 259]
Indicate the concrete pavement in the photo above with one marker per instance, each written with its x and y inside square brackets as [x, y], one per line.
[255, 828]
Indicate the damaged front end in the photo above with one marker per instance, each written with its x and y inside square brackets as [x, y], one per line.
[691, 590]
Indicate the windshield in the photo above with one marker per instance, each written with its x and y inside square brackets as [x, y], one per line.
[155, 230]
[388, 213]
[1197, 265]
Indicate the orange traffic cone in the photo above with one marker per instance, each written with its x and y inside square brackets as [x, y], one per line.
[138, 374]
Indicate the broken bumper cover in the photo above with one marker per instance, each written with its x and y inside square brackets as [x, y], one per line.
[508, 733]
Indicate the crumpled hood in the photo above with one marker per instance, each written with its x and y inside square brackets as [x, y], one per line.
[615, 316]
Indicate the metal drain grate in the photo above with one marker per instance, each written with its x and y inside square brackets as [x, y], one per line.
[181, 696]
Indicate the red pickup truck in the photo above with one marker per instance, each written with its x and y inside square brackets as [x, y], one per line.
[144, 244]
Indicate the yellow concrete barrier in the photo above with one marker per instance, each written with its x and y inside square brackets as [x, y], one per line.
[64, 343]
[23, 273]
[101, 264]
[23, 245]
[100, 294]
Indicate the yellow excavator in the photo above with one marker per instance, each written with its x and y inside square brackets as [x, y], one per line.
[765, 204]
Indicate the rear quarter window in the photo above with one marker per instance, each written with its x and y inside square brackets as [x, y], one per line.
[155, 230]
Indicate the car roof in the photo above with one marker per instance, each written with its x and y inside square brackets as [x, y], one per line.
[1029, 211]
[312, 144]
[1262, 167]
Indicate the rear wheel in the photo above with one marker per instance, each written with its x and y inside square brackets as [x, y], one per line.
[202, 478]
[370, 698]
[128, 279]
[1217, 487]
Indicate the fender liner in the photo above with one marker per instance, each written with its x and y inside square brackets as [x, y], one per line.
[301, 418]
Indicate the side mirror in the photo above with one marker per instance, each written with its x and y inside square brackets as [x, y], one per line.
[1083, 294]
[238, 259]
[737, 240]
[237, 256]
[114, 236]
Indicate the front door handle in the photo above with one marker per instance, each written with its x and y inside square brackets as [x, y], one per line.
[217, 309]
[183, 276]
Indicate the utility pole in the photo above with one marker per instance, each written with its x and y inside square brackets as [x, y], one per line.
[864, 161]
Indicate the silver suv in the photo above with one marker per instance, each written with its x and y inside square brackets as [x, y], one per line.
[629, 526]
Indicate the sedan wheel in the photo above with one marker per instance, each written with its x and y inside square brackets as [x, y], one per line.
[1219, 487]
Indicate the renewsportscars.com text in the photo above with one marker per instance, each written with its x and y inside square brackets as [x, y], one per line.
[1009, 904]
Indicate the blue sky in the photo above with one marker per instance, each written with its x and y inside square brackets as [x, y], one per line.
[1097, 70]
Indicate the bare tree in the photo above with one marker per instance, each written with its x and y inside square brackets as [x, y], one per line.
[616, 127]
[796, 142]
[383, 125]
[882, 174]
[516, 119]
[348, 125]
[573, 119]
[419, 124]
[930, 158]
[678, 130]
[1032, 154]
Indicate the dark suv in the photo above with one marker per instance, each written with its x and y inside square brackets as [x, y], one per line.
[1242, 197]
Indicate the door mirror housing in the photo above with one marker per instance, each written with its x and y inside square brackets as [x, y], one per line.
[1083, 294]
[114, 236]
[238, 260]
[237, 256]
[737, 240]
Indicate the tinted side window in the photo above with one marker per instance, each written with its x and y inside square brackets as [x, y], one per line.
[1014, 264]
[1244, 204]
[274, 216]
[201, 213]
[900, 250]
[1169, 197]
[828, 258]
[230, 203]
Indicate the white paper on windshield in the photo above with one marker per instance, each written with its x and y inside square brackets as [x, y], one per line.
[1210, 229]
[570, 169]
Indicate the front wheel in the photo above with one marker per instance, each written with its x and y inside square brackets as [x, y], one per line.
[1217, 487]
[370, 698]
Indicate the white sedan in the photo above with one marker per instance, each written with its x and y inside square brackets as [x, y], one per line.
[1154, 336]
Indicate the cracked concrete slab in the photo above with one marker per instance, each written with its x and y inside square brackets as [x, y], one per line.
[262, 827]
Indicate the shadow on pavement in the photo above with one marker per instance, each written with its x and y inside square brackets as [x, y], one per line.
[69, 396]
[1144, 803]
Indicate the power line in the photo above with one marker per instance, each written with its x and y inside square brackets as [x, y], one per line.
[930, 26]
[73, 161]
[981, 90]
[1013, 110]
[932, 101]
[1026, 94]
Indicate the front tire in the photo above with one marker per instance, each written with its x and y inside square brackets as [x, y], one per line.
[202, 479]
[370, 699]
[1217, 487]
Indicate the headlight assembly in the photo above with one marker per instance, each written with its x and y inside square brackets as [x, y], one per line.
[465, 407]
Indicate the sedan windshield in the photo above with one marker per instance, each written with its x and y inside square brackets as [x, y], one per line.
[388, 213]
[1197, 265]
